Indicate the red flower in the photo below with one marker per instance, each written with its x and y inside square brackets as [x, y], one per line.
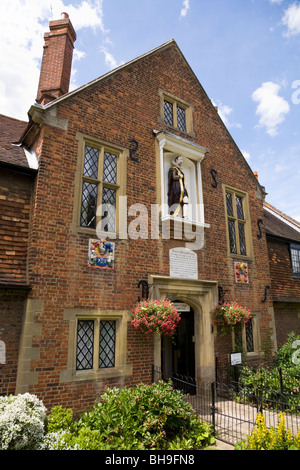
[156, 316]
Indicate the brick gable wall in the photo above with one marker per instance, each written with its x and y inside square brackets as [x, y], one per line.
[115, 110]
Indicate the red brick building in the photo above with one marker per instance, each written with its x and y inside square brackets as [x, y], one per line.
[283, 239]
[86, 229]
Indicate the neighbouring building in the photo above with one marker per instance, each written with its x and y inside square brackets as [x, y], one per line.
[86, 230]
[283, 239]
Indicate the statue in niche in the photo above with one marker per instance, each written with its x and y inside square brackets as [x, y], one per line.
[178, 197]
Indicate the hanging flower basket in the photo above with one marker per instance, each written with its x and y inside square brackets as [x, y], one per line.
[229, 316]
[159, 316]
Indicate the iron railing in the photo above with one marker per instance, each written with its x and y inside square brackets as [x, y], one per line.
[230, 407]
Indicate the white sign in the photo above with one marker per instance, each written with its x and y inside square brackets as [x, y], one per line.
[181, 307]
[236, 358]
[183, 263]
[2, 352]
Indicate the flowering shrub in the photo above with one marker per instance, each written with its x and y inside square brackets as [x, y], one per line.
[139, 418]
[156, 316]
[144, 417]
[262, 438]
[22, 419]
[230, 315]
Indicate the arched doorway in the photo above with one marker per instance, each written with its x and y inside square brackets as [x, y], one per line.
[196, 329]
[178, 353]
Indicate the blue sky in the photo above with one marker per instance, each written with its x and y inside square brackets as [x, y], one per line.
[245, 53]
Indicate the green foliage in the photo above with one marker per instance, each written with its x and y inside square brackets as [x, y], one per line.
[266, 380]
[286, 354]
[22, 419]
[262, 438]
[140, 418]
[60, 419]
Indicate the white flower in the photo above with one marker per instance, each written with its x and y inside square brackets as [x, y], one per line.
[22, 420]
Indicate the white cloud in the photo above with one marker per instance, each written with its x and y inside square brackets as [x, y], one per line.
[246, 155]
[225, 112]
[276, 1]
[271, 108]
[23, 25]
[110, 60]
[185, 8]
[291, 19]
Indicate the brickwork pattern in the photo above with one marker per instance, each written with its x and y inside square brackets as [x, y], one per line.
[115, 110]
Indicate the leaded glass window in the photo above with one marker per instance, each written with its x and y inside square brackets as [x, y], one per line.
[295, 258]
[91, 159]
[175, 115]
[181, 124]
[85, 344]
[88, 205]
[168, 113]
[107, 344]
[232, 238]
[99, 188]
[243, 337]
[110, 168]
[242, 238]
[96, 344]
[239, 208]
[229, 204]
[249, 336]
[236, 223]
[109, 206]
[238, 338]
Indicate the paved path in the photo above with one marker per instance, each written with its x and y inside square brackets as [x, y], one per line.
[235, 421]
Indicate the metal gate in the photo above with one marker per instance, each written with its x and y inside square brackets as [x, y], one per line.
[231, 412]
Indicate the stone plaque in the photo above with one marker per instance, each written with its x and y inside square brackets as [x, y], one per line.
[183, 263]
[2, 352]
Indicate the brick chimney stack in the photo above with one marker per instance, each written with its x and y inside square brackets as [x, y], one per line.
[57, 60]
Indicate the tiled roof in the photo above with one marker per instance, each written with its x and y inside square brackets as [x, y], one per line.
[279, 224]
[10, 131]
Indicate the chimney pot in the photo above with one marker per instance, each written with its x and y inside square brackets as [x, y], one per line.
[57, 60]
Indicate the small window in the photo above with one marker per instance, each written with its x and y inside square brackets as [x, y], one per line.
[237, 225]
[107, 344]
[243, 338]
[295, 259]
[90, 335]
[181, 121]
[85, 345]
[176, 113]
